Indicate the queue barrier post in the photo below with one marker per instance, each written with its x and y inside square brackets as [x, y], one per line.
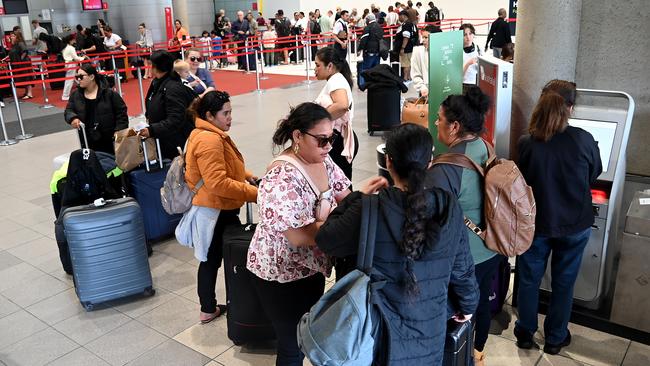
[141, 90]
[6, 141]
[47, 104]
[116, 75]
[263, 77]
[23, 135]
[248, 66]
[308, 63]
[257, 73]
[391, 38]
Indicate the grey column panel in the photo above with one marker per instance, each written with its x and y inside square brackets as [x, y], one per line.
[547, 48]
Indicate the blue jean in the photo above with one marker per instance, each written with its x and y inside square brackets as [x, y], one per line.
[368, 63]
[565, 264]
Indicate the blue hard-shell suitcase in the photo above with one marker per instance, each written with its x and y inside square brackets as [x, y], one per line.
[145, 188]
[107, 251]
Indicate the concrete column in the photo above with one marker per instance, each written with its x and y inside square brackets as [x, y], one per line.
[546, 48]
[180, 12]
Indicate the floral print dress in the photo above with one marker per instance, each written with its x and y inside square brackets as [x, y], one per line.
[286, 201]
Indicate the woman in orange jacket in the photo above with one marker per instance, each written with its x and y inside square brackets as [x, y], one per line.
[213, 157]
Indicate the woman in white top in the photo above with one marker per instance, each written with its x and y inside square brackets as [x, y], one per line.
[69, 54]
[470, 55]
[420, 62]
[112, 41]
[146, 43]
[336, 97]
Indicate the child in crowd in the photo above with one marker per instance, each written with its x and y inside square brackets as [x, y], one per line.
[217, 46]
[205, 44]
[268, 42]
[190, 80]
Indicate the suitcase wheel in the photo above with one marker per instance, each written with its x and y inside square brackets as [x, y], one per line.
[89, 306]
[149, 291]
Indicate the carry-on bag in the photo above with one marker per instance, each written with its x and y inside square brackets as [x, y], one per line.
[107, 250]
[384, 111]
[129, 152]
[459, 344]
[145, 188]
[246, 319]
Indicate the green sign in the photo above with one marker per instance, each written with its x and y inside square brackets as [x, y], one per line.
[445, 75]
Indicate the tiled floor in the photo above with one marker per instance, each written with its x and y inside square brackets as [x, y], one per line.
[41, 321]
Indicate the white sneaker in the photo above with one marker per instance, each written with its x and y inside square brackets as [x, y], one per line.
[2, 104]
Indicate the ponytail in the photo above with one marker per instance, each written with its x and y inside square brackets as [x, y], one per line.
[328, 55]
[409, 148]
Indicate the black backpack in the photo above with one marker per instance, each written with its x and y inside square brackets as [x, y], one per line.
[432, 15]
[86, 180]
[315, 28]
[282, 28]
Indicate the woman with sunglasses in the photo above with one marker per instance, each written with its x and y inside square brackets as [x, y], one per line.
[199, 79]
[300, 188]
[101, 109]
[336, 97]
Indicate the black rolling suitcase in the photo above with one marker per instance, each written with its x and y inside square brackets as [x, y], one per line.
[247, 322]
[383, 109]
[459, 344]
[56, 72]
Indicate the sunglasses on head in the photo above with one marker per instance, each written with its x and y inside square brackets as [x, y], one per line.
[196, 59]
[323, 140]
[80, 77]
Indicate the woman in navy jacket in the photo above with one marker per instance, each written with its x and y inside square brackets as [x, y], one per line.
[560, 163]
[421, 251]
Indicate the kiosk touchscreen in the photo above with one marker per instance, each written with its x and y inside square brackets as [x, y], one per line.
[607, 116]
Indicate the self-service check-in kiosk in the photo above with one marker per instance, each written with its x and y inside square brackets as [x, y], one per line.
[607, 115]
[495, 80]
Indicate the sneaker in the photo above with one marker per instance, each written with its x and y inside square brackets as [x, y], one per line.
[2, 104]
[554, 349]
[524, 339]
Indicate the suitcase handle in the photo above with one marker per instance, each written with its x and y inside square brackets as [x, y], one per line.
[146, 155]
[249, 213]
[85, 137]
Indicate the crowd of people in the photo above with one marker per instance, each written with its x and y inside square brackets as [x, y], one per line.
[309, 213]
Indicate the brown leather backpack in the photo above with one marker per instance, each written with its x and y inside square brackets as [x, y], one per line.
[509, 205]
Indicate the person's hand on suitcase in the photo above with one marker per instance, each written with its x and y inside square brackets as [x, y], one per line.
[76, 123]
[144, 133]
[462, 318]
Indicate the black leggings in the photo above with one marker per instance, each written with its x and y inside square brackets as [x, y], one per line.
[484, 272]
[207, 275]
[337, 149]
[284, 304]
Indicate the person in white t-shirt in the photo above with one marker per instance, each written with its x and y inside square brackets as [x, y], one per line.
[336, 97]
[112, 41]
[471, 52]
[70, 56]
[420, 61]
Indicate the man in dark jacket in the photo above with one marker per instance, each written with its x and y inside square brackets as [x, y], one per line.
[241, 30]
[167, 100]
[370, 41]
[499, 34]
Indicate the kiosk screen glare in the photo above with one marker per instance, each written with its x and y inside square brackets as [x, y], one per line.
[603, 133]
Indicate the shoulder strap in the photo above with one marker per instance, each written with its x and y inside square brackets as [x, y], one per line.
[460, 160]
[367, 232]
[296, 164]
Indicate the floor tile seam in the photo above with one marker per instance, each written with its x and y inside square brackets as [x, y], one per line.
[47, 326]
[33, 279]
[15, 311]
[26, 242]
[49, 297]
[155, 330]
[166, 338]
[220, 354]
[629, 345]
[88, 341]
[147, 312]
[37, 223]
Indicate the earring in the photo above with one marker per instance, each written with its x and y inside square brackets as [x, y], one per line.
[296, 148]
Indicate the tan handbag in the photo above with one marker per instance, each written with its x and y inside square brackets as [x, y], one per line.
[128, 149]
[416, 111]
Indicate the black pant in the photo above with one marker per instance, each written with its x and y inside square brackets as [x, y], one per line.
[484, 272]
[284, 304]
[338, 159]
[343, 52]
[207, 275]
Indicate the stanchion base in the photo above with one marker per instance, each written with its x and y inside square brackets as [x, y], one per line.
[260, 91]
[8, 142]
[264, 78]
[47, 106]
[24, 137]
[308, 82]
